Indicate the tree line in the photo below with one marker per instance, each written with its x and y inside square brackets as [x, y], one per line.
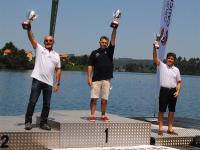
[186, 67]
[18, 60]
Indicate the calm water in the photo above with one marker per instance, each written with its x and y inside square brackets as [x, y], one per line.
[133, 94]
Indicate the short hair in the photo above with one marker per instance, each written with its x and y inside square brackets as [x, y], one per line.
[104, 37]
[171, 54]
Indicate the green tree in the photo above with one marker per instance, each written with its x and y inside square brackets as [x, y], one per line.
[16, 60]
[10, 46]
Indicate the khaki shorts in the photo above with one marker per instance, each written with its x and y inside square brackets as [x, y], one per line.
[100, 88]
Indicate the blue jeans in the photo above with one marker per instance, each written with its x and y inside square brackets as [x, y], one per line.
[37, 87]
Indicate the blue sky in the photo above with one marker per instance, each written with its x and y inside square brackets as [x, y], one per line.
[80, 23]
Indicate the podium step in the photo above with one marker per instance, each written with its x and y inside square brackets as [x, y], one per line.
[77, 131]
[184, 137]
[13, 136]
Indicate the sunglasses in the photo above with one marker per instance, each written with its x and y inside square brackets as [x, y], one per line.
[48, 40]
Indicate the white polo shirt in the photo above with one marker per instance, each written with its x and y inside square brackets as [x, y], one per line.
[169, 76]
[45, 64]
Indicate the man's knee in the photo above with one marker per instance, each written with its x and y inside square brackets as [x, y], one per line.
[94, 100]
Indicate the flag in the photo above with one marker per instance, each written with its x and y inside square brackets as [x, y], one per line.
[166, 16]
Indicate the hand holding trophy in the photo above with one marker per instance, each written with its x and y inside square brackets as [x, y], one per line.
[115, 22]
[30, 17]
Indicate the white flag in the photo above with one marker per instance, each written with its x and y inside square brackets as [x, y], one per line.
[166, 16]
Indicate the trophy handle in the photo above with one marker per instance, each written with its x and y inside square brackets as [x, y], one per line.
[32, 18]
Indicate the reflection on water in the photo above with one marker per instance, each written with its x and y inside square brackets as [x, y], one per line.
[133, 94]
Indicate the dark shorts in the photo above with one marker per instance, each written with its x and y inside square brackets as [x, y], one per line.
[167, 99]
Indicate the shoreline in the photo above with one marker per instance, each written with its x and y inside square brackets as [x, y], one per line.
[26, 70]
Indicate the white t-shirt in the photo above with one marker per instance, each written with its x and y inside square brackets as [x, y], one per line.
[169, 76]
[45, 64]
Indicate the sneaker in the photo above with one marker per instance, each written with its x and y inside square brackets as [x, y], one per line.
[105, 118]
[28, 126]
[92, 118]
[45, 126]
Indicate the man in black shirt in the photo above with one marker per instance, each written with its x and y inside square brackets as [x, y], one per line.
[101, 65]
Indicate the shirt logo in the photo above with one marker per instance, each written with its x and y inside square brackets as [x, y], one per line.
[97, 54]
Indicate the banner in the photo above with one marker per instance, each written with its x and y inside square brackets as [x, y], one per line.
[165, 22]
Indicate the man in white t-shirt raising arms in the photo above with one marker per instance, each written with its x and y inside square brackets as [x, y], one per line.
[170, 85]
[47, 61]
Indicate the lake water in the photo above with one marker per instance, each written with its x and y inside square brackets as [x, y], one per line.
[132, 94]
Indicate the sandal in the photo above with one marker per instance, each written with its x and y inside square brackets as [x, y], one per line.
[172, 132]
[160, 132]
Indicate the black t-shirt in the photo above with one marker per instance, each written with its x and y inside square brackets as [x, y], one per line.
[102, 62]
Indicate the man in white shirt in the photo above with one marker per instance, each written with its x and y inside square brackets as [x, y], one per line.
[170, 85]
[47, 61]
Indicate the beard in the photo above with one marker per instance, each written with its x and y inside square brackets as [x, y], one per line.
[49, 47]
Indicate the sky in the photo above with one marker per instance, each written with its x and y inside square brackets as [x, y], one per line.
[80, 23]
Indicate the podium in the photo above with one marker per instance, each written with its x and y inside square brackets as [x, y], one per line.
[72, 129]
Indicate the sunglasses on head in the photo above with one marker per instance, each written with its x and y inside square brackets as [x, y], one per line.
[48, 40]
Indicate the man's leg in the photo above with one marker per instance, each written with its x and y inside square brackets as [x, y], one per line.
[163, 101]
[170, 121]
[105, 94]
[160, 120]
[172, 109]
[47, 92]
[103, 106]
[95, 92]
[93, 104]
[35, 93]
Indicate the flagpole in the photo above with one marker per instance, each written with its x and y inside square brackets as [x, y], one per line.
[54, 9]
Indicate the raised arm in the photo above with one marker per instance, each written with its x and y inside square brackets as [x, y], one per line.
[30, 35]
[113, 36]
[155, 55]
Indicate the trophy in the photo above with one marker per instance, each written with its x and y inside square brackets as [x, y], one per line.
[157, 42]
[115, 22]
[30, 17]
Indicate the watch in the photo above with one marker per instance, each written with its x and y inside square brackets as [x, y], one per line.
[58, 83]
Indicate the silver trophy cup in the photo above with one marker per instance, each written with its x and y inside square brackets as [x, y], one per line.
[157, 41]
[30, 17]
[115, 22]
